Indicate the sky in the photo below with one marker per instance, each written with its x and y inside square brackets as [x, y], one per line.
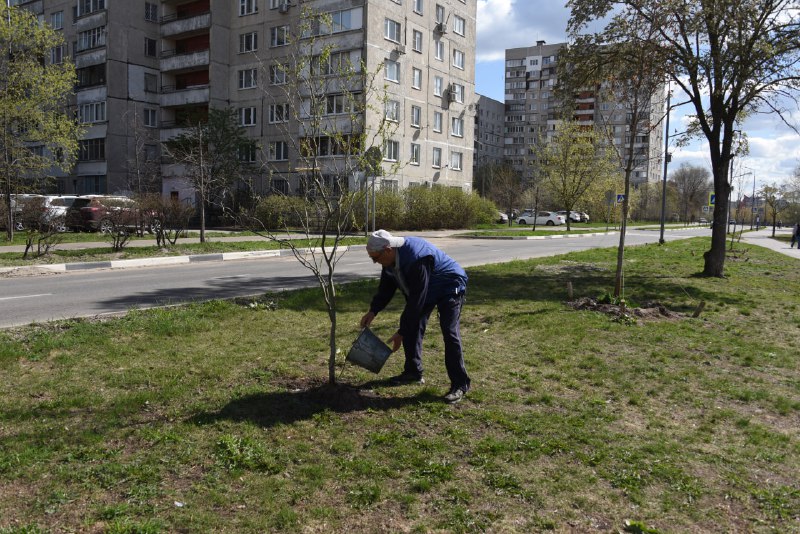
[774, 148]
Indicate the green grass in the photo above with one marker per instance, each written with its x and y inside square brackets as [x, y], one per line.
[216, 416]
[14, 259]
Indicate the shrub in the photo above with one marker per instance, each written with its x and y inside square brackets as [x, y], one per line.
[280, 211]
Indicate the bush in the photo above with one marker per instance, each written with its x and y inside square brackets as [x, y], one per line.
[275, 212]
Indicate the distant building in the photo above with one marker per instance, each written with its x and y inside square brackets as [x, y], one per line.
[532, 110]
[489, 122]
[145, 69]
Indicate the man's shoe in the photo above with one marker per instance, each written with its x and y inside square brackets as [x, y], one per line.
[407, 378]
[454, 396]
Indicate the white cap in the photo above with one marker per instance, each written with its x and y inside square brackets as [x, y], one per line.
[381, 239]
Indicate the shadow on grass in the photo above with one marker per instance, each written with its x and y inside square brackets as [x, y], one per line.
[286, 407]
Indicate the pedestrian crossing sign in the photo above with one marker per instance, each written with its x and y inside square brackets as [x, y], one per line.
[711, 199]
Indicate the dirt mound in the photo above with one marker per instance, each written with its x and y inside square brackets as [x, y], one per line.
[648, 310]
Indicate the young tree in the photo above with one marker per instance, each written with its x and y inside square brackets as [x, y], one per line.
[33, 104]
[692, 184]
[622, 71]
[506, 189]
[331, 118]
[210, 152]
[774, 198]
[571, 161]
[731, 58]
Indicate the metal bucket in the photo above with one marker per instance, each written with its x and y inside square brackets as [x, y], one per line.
[369, 352]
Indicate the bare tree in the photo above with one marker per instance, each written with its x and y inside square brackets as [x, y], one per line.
[692, 185]
[506, 189]
[331, 119]
[773, 195]
[210, 152]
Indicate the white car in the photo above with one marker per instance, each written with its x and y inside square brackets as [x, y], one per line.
[547, 218]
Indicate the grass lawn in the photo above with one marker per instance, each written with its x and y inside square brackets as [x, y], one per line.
[216, 417]
[14, 259]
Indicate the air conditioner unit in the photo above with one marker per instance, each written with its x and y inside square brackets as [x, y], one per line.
[283, 7]
[400, 49]
[440, 28]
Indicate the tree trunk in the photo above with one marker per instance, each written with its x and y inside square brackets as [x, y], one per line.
[715, 256]
[332, 339]
[202, 221]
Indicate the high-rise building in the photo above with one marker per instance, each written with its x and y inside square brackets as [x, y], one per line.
[533, 111]
[146, 68]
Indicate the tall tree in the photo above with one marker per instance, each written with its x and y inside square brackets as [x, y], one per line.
[331, 143]
[506, 189]
[692, 184]
[210, 152]
[730, 58]
[37, 132]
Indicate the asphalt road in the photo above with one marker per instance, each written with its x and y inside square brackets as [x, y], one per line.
[42, 298]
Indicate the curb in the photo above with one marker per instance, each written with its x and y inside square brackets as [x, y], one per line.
[535, 237]
[169, 260]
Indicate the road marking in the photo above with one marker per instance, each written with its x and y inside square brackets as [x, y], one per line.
[27, 296]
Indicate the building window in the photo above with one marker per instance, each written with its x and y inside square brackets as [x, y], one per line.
[416, 116]
[458, 93]
[392, 110]
[391, 150]
[92, 149]
[90, 76]
[280, 186]
[392, 69]
[150, 12]
[247, 7]
[150, 117]
[277, 74]
[391, 30]
[438, 85]
[93, 38]
[57, 54]
[278, 151]
[247, 116]
[247, 78]
[439, 50]
[84, 7]
[455, 160]
[337, 104]
[279, 36]
[150, 83]
[92, 112]
[278, 113]
[457, 127]
[414, 154]
[57, 20]
[150, 47]
[417, 41]
[418, 6]
[436, 159]
[439, 13]
[458, 59]
[437, 121]
[459, 24]
[247, 153]
[248, 42]
[416, 78]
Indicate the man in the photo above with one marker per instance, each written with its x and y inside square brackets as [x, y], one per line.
[429, 279]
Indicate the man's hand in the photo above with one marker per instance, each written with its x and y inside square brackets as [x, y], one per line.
[395, 341]
[367, 319]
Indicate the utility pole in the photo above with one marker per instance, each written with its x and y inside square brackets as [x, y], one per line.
[667, 157]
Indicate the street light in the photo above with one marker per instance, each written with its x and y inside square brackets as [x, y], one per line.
[667, 157]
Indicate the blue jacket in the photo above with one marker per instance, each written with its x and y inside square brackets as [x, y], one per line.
[425, 275]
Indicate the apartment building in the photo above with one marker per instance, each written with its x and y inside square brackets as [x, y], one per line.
[148, 69]
[489, 128]
[532, 110]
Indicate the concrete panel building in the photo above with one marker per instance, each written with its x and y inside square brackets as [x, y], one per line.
[533, 110]
[147, 69]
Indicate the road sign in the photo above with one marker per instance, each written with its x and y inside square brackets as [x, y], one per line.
[620, 198]
[755, 210]
[711, 199]
[706, 209]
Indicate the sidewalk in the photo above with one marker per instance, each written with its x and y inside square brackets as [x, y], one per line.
[763, 238]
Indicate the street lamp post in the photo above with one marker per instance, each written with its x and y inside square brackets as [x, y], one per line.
[753, 209]
[667, 157]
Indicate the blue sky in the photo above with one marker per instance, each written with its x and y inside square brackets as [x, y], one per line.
[774, 148]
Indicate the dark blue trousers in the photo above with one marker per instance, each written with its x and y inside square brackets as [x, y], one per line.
[449, 320]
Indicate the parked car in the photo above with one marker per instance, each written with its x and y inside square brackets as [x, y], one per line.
[502, 218]
[547, 218]
[574, 216]
[55, 210]
[108, 213]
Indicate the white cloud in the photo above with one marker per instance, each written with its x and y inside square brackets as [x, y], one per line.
[506, 24]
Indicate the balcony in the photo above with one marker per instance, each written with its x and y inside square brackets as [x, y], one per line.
[93, 56]
[173, 25]
[171, 96]
[171, 61]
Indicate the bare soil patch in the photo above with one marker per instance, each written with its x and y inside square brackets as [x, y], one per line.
[648, 311]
